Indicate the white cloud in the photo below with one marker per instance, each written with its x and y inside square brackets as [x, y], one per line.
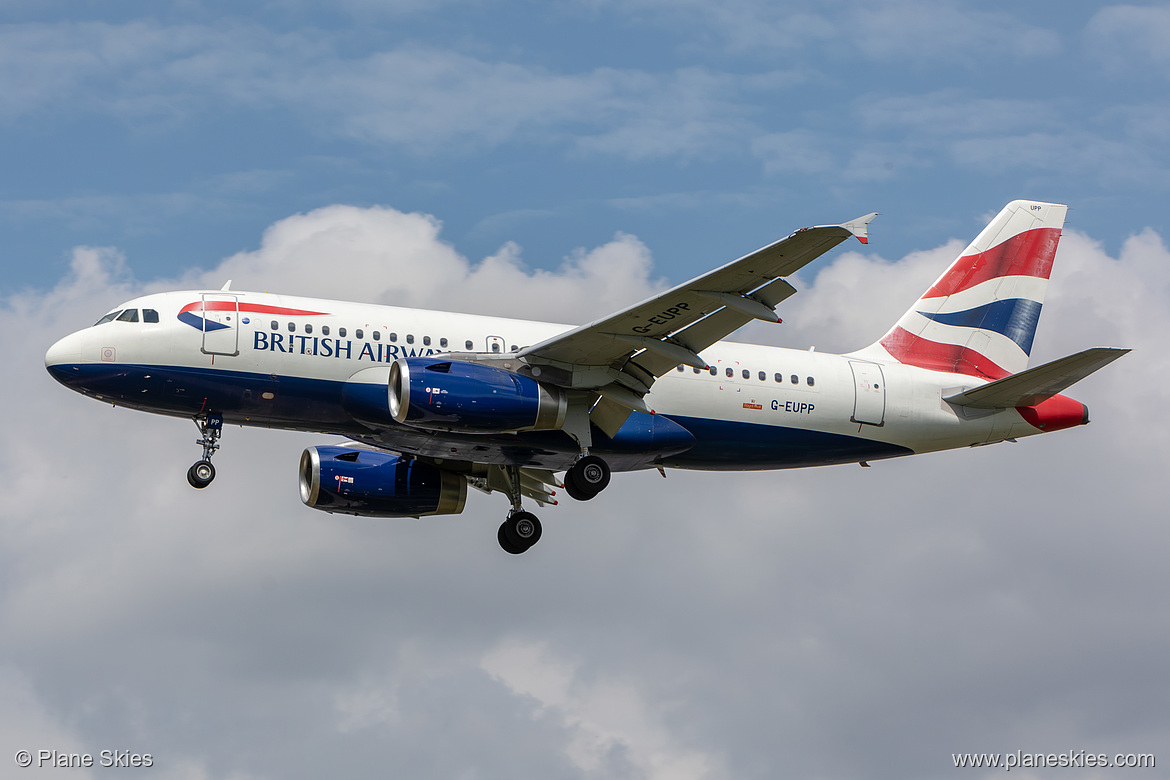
[401, 261]
[605, 716]
[427, 99]
[800, 151]
[830, 622]
[909, 30]
[1121, 34]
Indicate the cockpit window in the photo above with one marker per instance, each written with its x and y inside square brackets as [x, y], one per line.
[149, 315]
[108, 318]
[130, 315]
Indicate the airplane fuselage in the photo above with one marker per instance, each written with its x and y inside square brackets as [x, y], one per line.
[320, 365]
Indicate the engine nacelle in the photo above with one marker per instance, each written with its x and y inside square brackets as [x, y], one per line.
[471, 397]
[378, 484]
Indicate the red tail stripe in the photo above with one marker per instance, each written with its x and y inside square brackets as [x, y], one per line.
[1028, 254]
[924, 353]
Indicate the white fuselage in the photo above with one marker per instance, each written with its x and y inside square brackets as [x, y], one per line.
[286, 362]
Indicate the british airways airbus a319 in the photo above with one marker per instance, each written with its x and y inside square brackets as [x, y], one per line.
[436, 402]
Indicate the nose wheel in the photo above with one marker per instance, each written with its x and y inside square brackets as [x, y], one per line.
[522, 529]
[210, 429]
[201, 474]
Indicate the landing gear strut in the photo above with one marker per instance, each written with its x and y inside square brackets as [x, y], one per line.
[210, 427]
[522, 529]
[587, 477]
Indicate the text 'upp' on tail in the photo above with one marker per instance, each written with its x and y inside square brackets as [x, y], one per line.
[980, 317]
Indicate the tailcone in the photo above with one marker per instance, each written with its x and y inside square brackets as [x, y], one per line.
[1055, 414]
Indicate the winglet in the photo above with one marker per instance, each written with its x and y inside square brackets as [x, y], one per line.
[858, 227]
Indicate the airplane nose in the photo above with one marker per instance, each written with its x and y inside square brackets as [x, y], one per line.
[62, 358]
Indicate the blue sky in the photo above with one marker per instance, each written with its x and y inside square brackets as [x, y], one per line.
[558, 161]
[177, 132]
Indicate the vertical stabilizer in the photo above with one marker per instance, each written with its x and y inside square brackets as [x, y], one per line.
[980, 317]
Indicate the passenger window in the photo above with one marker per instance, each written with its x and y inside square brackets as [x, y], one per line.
[324, 330]
[308, 327]
[409, 338]
[795, 379]
[730, 373]
[696, 370]
[377, 335]
[358, 333]
[495, 346]
[149, 315]
[810, 381]
[467, 346]
[680, 369]
[714, 371]
[515, 347]
[108, 318]
[130, 315]
[394, 337]
[426, 341]
[763, 376]
[275, 325]
[443, 343]
[747, 374]
[292, 327]
[341, 332]
[779, 377]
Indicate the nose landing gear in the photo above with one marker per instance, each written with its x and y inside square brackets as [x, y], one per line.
[210, 427]
[522, 529]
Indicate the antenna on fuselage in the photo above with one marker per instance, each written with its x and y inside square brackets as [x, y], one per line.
[227, 286]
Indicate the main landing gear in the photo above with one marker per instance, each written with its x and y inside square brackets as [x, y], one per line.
[584, 480]
[587, 477]
[211, 427]
[522, 529]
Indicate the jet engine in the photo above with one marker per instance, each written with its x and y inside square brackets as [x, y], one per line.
[471, 397]
[378, 484]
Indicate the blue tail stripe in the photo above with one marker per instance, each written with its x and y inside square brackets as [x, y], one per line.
[1015, 318]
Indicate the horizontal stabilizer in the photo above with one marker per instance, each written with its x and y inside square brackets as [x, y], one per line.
[1038, 384]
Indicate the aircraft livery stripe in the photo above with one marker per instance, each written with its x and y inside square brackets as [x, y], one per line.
[913, 350]
[1015, 318]
[252, 308]
[1028, 254]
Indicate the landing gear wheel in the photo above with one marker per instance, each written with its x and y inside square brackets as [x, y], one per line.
[588, 477]
[508, 547]
[574, 491]
[519, 532]
[201, 474]
[210, 428]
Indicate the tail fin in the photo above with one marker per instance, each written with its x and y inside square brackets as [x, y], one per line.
[980, 317]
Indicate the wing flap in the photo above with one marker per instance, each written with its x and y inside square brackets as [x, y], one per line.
[1038, 384]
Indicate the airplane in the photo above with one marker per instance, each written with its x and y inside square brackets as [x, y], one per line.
[432, 403]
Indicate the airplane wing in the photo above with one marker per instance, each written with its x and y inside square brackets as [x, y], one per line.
[620, 356]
